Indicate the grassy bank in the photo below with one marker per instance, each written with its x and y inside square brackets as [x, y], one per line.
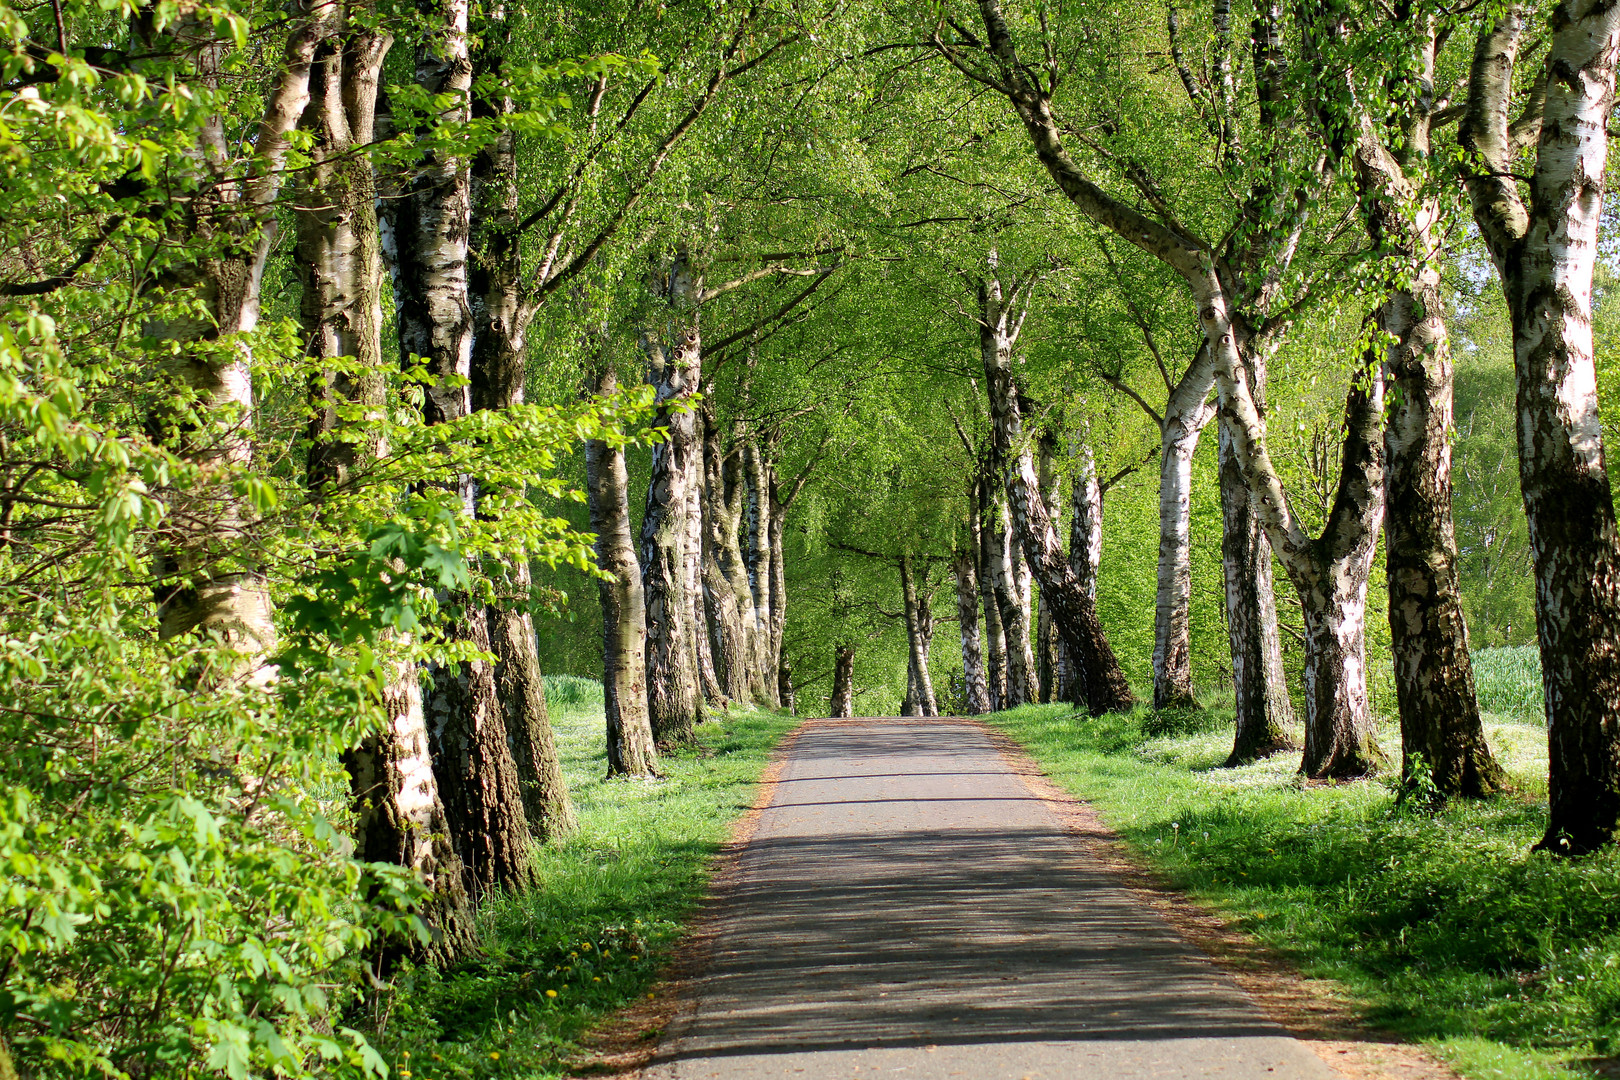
[612, 901]
[1449, 931]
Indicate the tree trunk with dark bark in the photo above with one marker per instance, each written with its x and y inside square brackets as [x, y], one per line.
[498, 370]
[630, 744]
[843, 687]
[989, 536]
[758, 556]
[1085, 556]
[399, 818]
[1545, 249]
[1047, 640]
[1259, 686]
[428, 233]
[702, 637]
[919, 636]
[964, 566]
[1073, 608]
[724, 577]
[673, 698]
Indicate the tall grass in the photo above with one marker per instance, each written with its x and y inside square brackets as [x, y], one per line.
[1509, 682]
[572, 694]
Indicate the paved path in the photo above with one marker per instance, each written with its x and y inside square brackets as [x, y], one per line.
[908, 909]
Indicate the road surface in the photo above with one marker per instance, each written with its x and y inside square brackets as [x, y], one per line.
[908, 909]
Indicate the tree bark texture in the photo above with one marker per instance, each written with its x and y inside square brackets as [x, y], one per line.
[1073, 608]
[1434, 677]
[1018, 660]
[427, 230]
[843, 687]
[1085, 555]
[697, 528]
[673, 696]
[1186, 412]
[964, 566]
[630, 744]
[399, 818]
[204, 584]
[758, 555]
[725, 578]
[1047, 641]
[1259, 685]
[498, 370]
[1545, 249]
[919, 635]
[991, 547]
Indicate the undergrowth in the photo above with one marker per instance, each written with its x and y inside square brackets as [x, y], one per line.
[1444, 926]
[591, 938]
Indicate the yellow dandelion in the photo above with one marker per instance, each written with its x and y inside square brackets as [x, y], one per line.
[551, 993]
[494, 1055]
[652, 995]
[596, 978]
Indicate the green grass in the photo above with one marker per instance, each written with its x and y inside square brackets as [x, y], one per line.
[1509, 682]
[612, 901]
[1446, 928]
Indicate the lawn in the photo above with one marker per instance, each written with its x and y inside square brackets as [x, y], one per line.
[613, 899]
[1445, 927]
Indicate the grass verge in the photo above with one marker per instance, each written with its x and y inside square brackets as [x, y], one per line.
[593, 937]
[1506, 964]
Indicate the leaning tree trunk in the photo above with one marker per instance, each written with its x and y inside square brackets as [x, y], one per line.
[1545, 250]
[1330, 571]
[1185, 414]
[919, 631]
[674, 701]
[399, 818]
[991, 553]
[630, 745]
[1073, 608]
[843, 687]
[498, 370]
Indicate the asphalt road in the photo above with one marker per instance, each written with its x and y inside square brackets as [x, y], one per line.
[908, 909]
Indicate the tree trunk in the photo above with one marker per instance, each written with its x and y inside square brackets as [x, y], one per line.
[843, 688]
[673, 698]
[1047, 641]
[722, 567]
[757, 552]
[1073, 608]
[1260, 689]
[1085, 557]
[1185, 414]
[498, 370]
[919, 633]
[206, 582]
[697, 529]
[624, 628]
[1018, 659]
[964, 566]
[1434, 676]
[992, 553]
[784, 689]
[399, 818]
[428, 232]
[778, 575]
[1545, 249]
